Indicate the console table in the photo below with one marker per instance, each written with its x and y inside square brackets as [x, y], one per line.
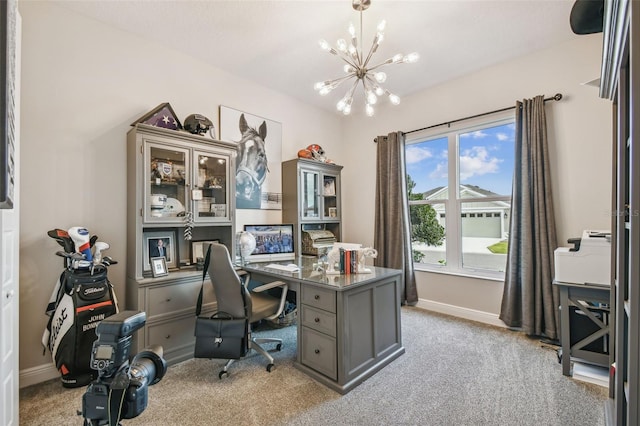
[348, 325]
[580, 295]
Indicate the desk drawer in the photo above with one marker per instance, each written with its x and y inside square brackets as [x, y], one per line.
[318, 351]
[162, 300]
[319, 320]
[173, 334]
[319, 298]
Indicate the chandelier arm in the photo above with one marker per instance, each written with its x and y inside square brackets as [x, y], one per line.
[372, 50]
[379, 65]
[348, 61]
[374, 83]
[339, 80]
[353, 88]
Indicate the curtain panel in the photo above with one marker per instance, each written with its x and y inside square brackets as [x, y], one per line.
[392, 235]
[530, 300]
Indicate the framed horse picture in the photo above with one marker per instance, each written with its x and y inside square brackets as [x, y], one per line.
[258, 170]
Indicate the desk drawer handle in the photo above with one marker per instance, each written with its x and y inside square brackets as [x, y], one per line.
[317, 319]
[317, 351]
[317, 297]
[168, 336]
[168, 299]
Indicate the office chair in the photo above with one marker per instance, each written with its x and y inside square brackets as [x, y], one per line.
[257, 305]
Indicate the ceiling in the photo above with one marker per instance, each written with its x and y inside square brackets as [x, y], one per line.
[275, 43]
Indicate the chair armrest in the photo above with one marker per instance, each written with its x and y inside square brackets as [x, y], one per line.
[271, 285]
[283, 297]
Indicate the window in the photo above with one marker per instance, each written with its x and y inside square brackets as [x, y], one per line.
[478, 162]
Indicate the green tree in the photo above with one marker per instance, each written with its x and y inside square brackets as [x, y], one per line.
[424, 220]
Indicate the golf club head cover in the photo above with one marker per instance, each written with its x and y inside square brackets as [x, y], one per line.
[62, 237]
[100, 246]
[81, 239]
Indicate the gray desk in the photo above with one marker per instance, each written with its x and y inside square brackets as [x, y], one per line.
[578, 295]
[348, 325]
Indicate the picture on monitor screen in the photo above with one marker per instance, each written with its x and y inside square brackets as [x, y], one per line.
[272, 239]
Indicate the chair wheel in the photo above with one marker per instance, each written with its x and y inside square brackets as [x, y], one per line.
[222, 374]
[278, 346]
[269, 367]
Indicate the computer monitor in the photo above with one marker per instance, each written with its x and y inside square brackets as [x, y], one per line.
[273, 242]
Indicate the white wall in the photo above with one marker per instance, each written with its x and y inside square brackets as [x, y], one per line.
[579, 131]
[83, 84]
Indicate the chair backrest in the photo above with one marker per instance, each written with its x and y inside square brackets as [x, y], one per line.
[232, 297]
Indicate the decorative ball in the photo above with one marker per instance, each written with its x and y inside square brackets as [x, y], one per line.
[247, 244]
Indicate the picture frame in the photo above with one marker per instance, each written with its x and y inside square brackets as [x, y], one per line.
[240, 127]
[150, 244]
[198, 249]
[333, 212]
[159, 267]
[329, 187]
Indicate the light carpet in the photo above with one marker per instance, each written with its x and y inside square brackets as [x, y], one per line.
[454, 372]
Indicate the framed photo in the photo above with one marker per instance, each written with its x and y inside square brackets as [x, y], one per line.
[198, 249]
[259, 140]
[329, 187]
[159, 244]
[159, 267]
[333, 212]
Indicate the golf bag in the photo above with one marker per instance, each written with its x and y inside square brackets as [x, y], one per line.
[80, 300]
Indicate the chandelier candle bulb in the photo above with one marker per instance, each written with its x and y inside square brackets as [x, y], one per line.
[357, 66]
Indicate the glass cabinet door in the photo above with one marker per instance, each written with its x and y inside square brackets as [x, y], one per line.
[330, 197]
[166, 181]
[310, 208]
[211, 188]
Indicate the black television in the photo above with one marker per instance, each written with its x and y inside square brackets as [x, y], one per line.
[274, 242]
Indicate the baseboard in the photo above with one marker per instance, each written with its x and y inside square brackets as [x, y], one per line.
[39, 374]
[460, 312]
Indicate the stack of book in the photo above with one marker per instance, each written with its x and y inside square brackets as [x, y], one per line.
[348, 261]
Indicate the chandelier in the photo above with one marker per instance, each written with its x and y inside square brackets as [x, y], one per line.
[357, 67]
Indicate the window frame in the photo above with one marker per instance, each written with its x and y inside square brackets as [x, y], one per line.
[453, 204]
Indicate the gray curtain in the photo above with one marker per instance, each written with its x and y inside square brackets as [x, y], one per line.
[530, 300]
[392, 237]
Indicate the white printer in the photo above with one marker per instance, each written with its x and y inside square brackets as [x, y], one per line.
[588, 261]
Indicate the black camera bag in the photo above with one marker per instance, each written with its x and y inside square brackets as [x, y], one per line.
[219, 335]
[80, 300]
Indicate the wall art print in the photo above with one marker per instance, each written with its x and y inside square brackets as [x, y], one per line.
[258, 173]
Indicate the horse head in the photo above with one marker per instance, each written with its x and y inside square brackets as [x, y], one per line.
[252, 168]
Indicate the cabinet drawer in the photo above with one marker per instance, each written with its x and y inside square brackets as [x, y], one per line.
[162, 300]
[319, 298]
[172, 335]
[318, 351]
[319, 320]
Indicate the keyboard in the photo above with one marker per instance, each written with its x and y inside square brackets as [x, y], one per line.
[287, 268]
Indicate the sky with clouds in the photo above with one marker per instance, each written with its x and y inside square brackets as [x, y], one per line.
[486, 159]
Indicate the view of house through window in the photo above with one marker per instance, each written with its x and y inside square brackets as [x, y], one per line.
[478, 163]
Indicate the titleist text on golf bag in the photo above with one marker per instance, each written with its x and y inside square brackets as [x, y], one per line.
[81, 299]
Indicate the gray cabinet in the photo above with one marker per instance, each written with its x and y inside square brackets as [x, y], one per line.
[620, 81]
[177, 182]
[311, 197]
